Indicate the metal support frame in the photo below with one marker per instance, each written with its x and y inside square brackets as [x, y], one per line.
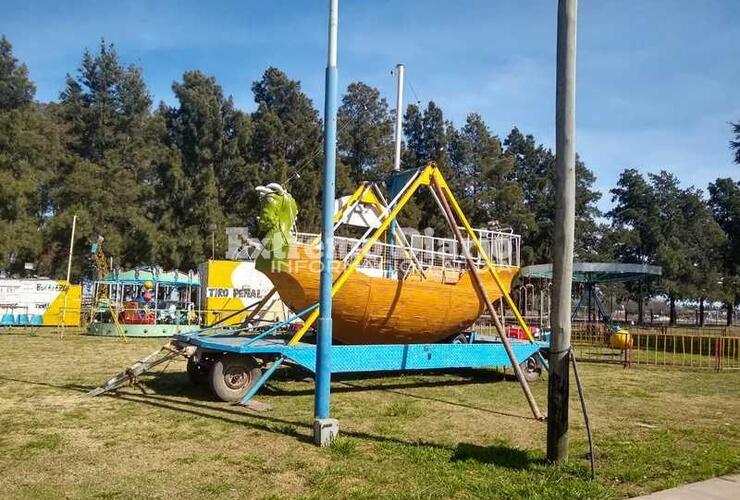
[484, 297]
[373, 357]
[365, 358]
[428, 176]
[424, 177]
[261, 381]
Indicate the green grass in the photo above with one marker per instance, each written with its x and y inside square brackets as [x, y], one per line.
[453, 435]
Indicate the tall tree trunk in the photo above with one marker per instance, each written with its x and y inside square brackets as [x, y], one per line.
[730, 312]
[701, 312]
[640, 310]
[672, 301]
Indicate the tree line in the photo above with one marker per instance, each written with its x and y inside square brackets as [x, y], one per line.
[156, 180]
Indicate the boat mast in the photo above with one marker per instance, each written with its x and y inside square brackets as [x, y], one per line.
[399, 116]
[397, 156]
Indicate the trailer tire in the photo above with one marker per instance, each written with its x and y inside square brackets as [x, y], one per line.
[531, 368]
[232, 376]
[197, 373]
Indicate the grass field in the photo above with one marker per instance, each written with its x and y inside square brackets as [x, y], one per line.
[456, 435]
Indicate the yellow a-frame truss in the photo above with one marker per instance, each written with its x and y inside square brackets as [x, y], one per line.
[428, 176]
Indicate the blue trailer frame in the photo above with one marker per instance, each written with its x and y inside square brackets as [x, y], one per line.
[479, 353]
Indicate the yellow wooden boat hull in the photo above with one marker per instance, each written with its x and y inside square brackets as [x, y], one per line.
[376, 310]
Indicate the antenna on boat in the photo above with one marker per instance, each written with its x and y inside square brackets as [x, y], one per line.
[399, 116]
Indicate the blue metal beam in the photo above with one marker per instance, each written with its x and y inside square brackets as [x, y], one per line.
[377, 357]
[261, 381]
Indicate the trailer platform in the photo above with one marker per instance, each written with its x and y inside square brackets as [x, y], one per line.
[371, 358]
[238, 366]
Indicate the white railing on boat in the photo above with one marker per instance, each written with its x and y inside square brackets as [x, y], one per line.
[428, 251]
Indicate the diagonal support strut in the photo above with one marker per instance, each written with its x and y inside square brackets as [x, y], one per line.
[449, 216]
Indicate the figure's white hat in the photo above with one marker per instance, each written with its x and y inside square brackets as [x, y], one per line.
[276, 188]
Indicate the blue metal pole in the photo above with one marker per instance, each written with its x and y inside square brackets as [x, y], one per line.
[323, 348]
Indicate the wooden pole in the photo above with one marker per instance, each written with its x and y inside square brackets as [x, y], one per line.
[63, 319]
[562, 250]
[71, 248]
[449, 216]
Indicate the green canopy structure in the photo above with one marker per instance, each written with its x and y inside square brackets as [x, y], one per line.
[139, 276]
[597, 272]
[592, 274]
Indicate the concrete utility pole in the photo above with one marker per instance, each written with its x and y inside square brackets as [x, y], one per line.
[325, 429]
[562, 251]
[399, 116]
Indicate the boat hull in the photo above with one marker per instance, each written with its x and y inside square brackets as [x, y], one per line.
[378, 310]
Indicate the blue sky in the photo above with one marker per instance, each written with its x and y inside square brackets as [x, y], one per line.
[658, 81]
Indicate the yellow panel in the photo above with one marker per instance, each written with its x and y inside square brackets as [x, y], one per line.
[230, 286]
[66, 308]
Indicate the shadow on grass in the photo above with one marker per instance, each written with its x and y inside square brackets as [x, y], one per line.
[174, 393]
[499, 454]
[177, 384]
[68, 387]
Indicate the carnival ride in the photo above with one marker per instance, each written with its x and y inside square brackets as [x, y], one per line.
[145, 302]
[396, 283]
[589, 275]
[399, 305]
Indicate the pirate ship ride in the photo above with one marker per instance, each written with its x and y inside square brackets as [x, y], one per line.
[400, 288]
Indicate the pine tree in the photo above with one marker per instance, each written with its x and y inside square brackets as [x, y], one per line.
[660, 223]
[427, 139]
[287, 144]
[534, 171]
[365, 130]
[207, 179]
[735, 144]
[483, 178]
[16, 89]
[30, 150]
[108, 175]
[414, 154]
[724, 201]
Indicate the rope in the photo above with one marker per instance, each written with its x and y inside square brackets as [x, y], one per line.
[418, 101]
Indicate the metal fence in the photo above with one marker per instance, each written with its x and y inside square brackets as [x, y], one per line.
[691, 348]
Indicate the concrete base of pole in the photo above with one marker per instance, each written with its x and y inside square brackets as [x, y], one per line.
[325, 431]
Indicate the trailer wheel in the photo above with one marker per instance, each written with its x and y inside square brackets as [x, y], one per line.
[232, 376]
[531, 369]
[197, 373]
